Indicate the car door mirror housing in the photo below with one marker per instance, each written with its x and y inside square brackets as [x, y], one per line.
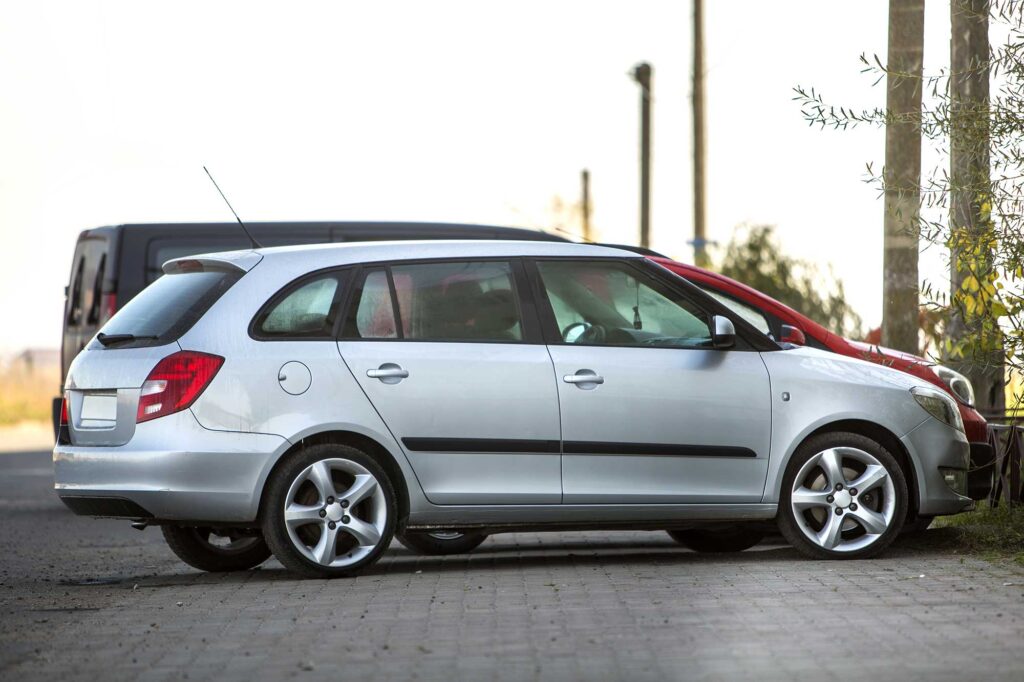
[723, 334]
[791, 334]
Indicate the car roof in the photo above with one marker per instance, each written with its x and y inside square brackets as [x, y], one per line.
[362, 228]
[311, 257]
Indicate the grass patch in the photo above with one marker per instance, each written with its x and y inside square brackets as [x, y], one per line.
[993, 533]
[27, 395]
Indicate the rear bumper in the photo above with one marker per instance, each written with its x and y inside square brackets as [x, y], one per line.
[938, 451]
[209, 476]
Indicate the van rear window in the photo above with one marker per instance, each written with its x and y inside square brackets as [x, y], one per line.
[168, 307]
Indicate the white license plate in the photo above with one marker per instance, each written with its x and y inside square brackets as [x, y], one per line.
[99, 407]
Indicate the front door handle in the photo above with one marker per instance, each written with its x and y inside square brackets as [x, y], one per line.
[586, 379]
[388, 373]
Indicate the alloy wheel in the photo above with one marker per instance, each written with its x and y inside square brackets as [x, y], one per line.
[843, 499]
[335, 512]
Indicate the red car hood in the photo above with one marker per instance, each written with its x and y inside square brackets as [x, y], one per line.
[888, 352]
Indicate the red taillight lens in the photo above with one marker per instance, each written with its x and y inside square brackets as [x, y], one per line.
[108, 307]
[175, 383]
[63, 411]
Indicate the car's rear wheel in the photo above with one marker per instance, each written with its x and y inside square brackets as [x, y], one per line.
[215, 551]
[844, 496]
[718, 540]
[440, 542]
[330, 511]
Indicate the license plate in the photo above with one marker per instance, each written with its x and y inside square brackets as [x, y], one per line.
[99, 407]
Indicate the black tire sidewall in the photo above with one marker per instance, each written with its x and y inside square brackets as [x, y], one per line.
[423, 543]
[272, 516]
[186, 544]
[786, 517]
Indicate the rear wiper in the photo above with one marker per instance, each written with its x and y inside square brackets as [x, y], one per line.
[108, 339]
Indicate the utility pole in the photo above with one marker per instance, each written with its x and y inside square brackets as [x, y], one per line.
[902, 175]
[642, 75]
[585, 204]
[700, 254]
[970, 183]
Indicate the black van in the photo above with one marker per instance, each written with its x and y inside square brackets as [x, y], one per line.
[113, 264]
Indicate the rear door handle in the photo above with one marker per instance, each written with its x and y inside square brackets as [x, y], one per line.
[388, 373]
[584, 378]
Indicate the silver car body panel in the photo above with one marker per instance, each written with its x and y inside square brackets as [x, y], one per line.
[709, 411]
[211, 462]
[456, 392]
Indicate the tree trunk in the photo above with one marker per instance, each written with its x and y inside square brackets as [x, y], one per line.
[700, 252]
[970, 183]
[902, 175]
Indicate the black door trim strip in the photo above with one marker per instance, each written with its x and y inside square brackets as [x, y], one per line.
[492, 445]
[583, 447]
[571, 447]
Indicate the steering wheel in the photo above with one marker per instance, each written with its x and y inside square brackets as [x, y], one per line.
[583, 332]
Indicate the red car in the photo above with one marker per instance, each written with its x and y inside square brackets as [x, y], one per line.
[788, 326]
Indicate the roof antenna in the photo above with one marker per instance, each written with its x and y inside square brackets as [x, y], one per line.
[255, 244]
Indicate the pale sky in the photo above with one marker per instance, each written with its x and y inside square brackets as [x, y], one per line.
[440, 111]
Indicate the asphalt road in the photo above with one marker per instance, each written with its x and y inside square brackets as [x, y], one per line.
[85, 599]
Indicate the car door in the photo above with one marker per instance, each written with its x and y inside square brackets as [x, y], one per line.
[451, 356]
[650, 411]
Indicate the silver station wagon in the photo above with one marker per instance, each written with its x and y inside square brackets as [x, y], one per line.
[314, 402]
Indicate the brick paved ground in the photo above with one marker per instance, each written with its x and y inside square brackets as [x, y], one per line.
[83, 599]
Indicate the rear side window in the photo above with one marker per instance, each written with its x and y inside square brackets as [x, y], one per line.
[169, 307]
[97, 291]
[449, 301]
[307, 311]
[374, 316]
[75, 295]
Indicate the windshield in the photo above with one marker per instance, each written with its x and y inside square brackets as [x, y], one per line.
[168, 307]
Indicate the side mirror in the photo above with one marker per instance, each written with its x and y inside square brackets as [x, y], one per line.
[791, 334]
[723, 333]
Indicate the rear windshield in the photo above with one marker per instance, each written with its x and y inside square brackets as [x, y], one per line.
[168, 307]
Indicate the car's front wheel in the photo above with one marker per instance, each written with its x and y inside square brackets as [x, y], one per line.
[717, 540]
[441, 542]
[844, 496]
[329, 511]
[215, 551]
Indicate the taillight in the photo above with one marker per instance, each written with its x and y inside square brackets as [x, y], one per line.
[63, 411]
[175, 383]
[108, 307]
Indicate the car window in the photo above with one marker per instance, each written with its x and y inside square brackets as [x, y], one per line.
[374, 315]
[748, 312]
[611, 303]
[459, 301]
[306, 311]
[97, 291]
[168, 308]
[75, 295]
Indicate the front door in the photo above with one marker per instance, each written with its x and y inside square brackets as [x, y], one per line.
[461, 378]
[650, 412]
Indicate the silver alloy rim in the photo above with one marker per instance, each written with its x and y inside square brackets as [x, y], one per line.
[344, 522]
[843, 499]
[445, 534]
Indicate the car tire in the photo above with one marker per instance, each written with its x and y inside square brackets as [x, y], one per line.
[716, 541]
[822, 477]
[439, 543]
[329, 511]
[195, 546]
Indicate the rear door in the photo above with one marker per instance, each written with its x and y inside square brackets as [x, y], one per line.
[450, 355]
[651, 413]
